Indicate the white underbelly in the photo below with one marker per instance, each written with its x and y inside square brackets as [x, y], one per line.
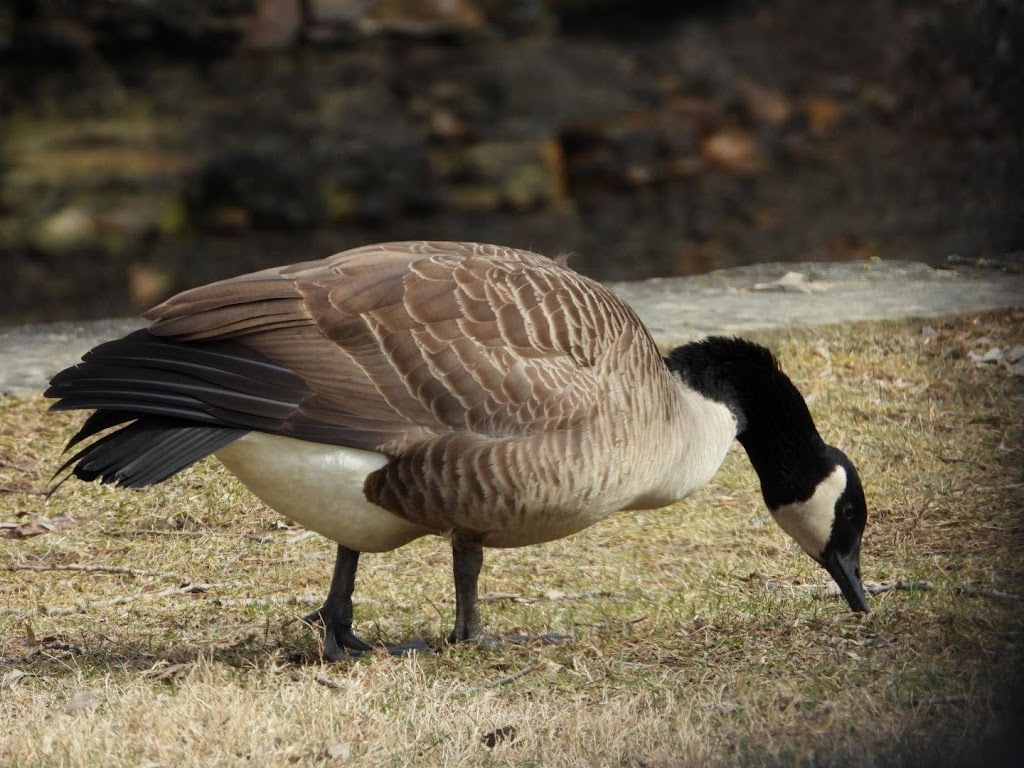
[320, 487]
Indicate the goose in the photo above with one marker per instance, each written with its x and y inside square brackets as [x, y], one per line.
[482, 393]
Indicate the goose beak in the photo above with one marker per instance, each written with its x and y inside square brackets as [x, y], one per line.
[845, 569]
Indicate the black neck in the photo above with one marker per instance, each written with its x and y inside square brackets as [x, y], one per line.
[774, 425]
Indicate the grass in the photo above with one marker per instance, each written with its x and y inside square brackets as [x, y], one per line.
[701, 636]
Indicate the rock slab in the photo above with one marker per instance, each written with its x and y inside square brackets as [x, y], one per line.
[676, 309]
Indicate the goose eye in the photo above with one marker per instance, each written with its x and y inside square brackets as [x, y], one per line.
[848, 511]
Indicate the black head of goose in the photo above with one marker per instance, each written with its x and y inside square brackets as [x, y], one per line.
[478, 392]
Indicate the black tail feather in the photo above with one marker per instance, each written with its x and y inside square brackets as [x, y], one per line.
[183, 402]
[147, 451]
[187, 399]
[96, 423]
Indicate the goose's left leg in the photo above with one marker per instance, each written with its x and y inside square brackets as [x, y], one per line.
[335, 615]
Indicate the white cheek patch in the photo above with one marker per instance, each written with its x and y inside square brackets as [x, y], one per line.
[810, 522]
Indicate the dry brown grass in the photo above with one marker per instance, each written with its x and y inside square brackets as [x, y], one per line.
[699, 635]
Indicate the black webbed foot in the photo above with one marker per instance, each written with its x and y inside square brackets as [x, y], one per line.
[412, 646]
[340, 642]
[335, 615]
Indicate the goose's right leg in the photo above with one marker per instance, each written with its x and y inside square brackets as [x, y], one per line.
[340, 642]
[467, 559]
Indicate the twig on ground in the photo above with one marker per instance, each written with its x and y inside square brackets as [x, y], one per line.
[1007, 487]
[879, 587]
[263, 602]
[85, 607]
[554, 594]
[873, 587]
[328, 683]
[493, 597]
[954, 699]
[157, 532]
[118, 569]
[27, 491]
[521, 673]
[53, 645]
[618, 623]
[996, 593]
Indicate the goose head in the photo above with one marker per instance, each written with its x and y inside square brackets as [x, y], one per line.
[811, 488]
[828, 524]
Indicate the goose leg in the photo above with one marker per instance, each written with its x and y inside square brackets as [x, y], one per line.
[340, 642]
[467, 558]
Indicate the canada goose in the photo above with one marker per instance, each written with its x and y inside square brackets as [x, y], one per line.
[478, 392]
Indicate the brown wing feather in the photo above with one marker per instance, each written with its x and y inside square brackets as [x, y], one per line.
[413, 340]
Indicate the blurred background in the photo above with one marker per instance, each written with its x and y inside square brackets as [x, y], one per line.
[150, 145]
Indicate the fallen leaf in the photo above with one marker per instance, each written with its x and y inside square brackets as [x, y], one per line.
[793, 282]
[507, 733]
[823, 112]
[446, 125]
[786, 699]
[992, 355]
[35, 527]
[167, 672]
[733, 150]
[722, 707]
[340, 751]
[85, 699]
[767, 104]
[14, 676]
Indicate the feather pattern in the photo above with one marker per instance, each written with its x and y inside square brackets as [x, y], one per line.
[437, 336]
[481, 372]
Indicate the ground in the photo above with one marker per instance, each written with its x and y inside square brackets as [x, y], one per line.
[157, 628]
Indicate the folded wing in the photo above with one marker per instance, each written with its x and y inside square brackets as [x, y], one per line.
[379, 348]
[418, 339]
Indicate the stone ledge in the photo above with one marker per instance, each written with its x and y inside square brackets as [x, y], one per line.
[759, 297]
[675, 309]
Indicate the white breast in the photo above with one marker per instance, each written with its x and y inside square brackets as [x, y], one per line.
[319, 487]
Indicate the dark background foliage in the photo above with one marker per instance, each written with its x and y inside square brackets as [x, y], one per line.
[150, 145]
